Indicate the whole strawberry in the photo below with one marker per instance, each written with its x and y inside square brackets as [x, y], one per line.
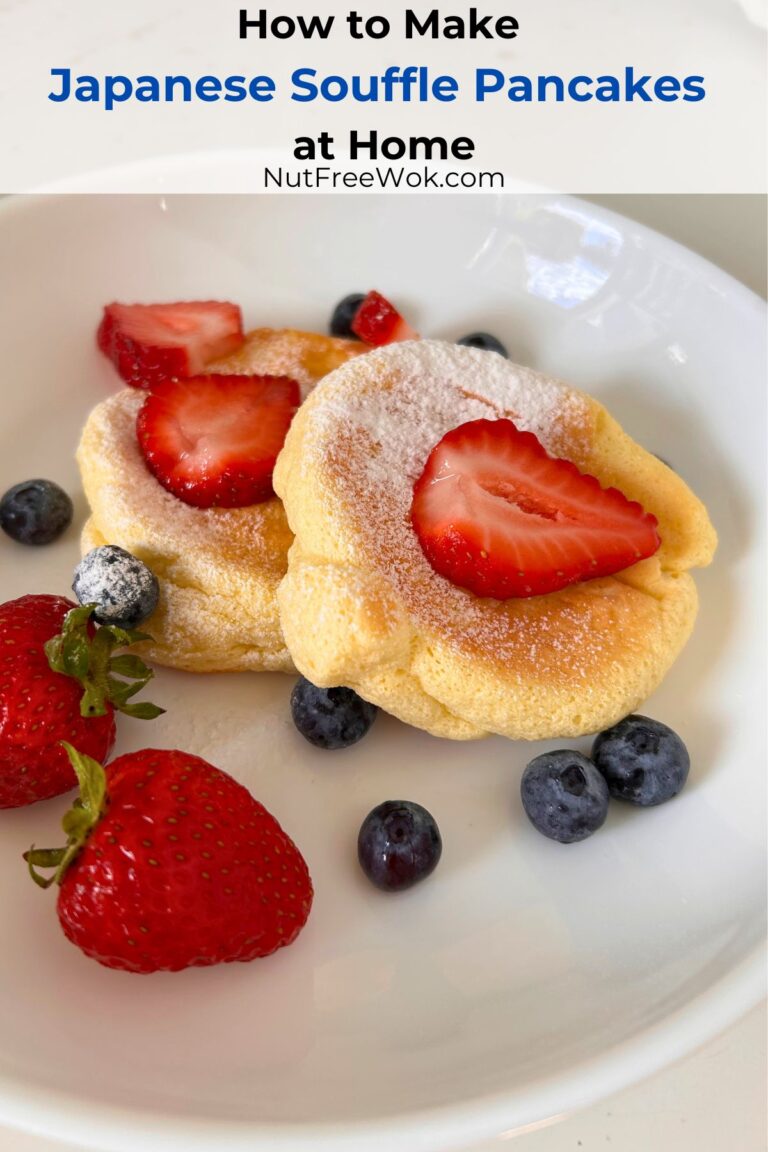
[58, 681]
[170, 863]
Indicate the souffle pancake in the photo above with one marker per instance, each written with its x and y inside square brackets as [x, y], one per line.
[218, 567]
[363, 605]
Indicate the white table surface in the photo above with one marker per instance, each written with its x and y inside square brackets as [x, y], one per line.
[715, 1100]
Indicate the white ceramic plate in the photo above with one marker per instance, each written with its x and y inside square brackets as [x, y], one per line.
[524, 978]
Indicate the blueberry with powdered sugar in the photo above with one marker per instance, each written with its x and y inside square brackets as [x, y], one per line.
[124, 590]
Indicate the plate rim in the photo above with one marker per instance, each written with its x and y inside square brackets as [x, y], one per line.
[111, 1128]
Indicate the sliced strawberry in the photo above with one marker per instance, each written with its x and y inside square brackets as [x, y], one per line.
[149, 342]
[379, 322]
[495, 514]
[213, 440]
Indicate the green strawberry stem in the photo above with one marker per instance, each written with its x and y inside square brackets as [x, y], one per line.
[77, 823]
[88, 658]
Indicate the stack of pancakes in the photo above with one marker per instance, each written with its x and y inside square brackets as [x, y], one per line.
[328, 577]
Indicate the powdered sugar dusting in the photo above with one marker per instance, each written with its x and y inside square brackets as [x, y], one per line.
[304, 356]
[134, 509]
[372, 427]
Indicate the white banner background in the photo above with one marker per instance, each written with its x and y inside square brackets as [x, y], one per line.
[716, 145]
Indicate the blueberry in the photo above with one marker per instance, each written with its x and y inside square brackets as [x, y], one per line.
[330, 717]
[344, 314]
[123, 589]
[564, 796]
[399, 844]
[486, 342]
[35, 512]
[642, 760]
